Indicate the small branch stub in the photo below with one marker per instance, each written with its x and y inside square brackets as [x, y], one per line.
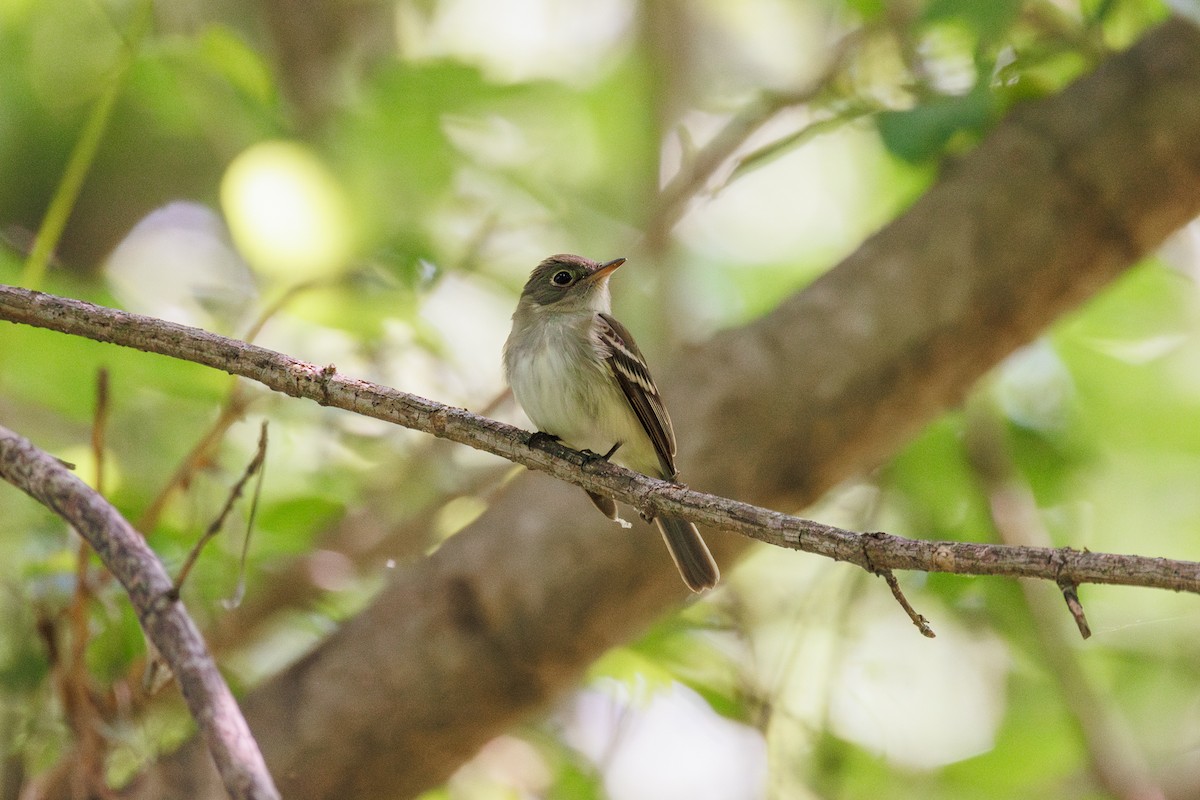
[917, 618]
[1070, 592]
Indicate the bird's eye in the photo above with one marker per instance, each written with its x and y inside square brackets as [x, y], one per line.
[562, 278]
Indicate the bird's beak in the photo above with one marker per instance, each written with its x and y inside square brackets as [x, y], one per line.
[604, 270]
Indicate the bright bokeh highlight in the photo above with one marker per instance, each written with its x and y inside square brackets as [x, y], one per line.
[287, 212]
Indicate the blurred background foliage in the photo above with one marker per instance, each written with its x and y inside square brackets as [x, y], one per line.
[368, 183]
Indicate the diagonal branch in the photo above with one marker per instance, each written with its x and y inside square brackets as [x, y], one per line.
[125, 553]
[324, 385]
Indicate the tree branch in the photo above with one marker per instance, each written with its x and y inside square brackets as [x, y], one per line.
[166, 623]
[873, 552]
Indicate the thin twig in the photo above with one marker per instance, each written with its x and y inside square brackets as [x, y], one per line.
[324, 385]
[154, 671]
[898, 593]
[235, 493]
[255, 501]
[100, 427]
[293, 586]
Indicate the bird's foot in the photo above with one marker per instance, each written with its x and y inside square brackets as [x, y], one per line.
[591, 455]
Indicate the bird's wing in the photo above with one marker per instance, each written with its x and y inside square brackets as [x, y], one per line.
[633, 376]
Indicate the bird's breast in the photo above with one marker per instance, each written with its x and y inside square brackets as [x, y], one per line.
[567, 389]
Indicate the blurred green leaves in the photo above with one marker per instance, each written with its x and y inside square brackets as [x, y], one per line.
[1017, 51]
[990, 21]
[928, 129]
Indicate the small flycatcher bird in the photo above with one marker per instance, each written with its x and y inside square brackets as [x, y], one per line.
[581, 378]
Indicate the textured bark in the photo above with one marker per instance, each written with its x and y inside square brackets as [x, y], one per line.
[1062, 197]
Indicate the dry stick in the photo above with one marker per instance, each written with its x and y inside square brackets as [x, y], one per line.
[150, 667]
[258, 466]
[217, 524]
[125, 553]
[1116, 760]
[918, 619]
[325, 386]
[889, 577]
[1070, 593]
[294, 585]
[82, 710]
[152, 676]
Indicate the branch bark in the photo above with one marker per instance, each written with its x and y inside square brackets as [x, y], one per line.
[163, 618]
[506, 615]
[874, 552]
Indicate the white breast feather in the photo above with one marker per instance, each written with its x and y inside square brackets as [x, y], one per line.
[595, 414]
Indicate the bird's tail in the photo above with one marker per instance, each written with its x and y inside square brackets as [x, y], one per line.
[689, 552]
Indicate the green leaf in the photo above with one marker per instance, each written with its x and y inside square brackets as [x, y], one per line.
[228, 55]
[922, 133]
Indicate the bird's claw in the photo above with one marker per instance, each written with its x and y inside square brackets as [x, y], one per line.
[591, 455]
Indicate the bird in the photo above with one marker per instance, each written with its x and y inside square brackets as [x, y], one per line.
[581, 379]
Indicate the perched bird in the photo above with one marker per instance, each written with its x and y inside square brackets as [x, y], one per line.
[581, 378]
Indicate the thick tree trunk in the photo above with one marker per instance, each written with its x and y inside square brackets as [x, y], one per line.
[1062, 196]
